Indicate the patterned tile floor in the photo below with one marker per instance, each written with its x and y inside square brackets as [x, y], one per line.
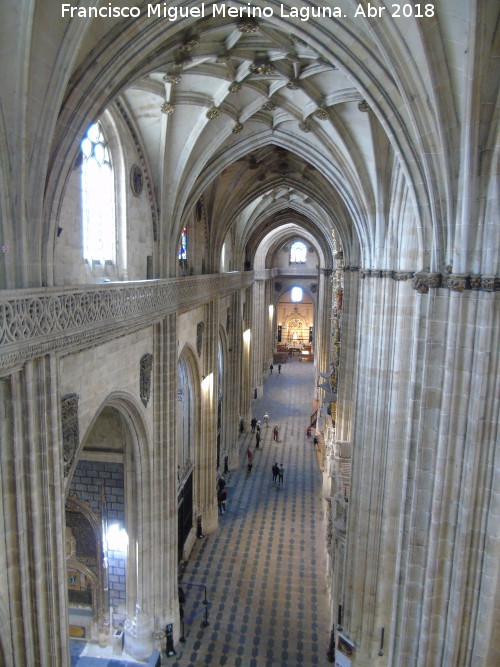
[264, 569]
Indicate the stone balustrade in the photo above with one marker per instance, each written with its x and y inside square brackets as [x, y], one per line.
[42, 320]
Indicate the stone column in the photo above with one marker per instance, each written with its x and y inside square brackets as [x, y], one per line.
[248, 346]
[207, 467]
[233, 381]
[322, 323]
[260, 334]
[157, 601]
[33, 561]
[422, 526]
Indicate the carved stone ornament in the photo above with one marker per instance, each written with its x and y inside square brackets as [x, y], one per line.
[248, 25]
[234, 87]
[423, 281]
[190, 42]
[320, 114]
[364, 273]
[223, 57]
[364, 106]
[402, 275]
[70, 429]
[237, 128]
[168, 108]
[261, 67]
[456, 282]
[269, 106]
[200, 327]
[386, 273]
[213, 113]
[145, 377]
[172, 78]
[304, 126]
[475, 282]
[488, 283]
[293, 84]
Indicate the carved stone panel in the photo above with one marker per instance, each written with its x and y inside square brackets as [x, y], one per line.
[145, 377]
[70, 429]
[200, 327]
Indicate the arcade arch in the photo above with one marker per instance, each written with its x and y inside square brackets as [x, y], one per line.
[187, 446]
[106, 536]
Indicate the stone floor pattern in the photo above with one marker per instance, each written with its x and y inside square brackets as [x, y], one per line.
[264, 569]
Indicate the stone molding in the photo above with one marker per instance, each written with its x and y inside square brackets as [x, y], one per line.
[144, 166]
[44, 320]
[297, 272]
[423, 281]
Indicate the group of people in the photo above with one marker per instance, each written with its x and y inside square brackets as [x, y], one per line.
[271, 368]
[256, 428]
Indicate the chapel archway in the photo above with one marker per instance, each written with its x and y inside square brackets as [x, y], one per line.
[295, 323]
[103, 538]
[187, 429]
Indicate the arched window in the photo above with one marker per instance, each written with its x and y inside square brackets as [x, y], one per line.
[298, 252]
[98, 198]
[296, 294]
[182, 251]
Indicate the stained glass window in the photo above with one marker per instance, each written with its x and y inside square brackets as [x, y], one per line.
[298, 252]
[296, 294]
[98, 197]
[182, 252]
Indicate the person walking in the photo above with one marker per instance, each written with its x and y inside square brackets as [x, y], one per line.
[250, 461]
[315, 441]
[275, 433]
[257, 440]
[276, 471]
[223, 494]
[257, 428]
[221, 498]
[253, 424]
[280, 474]
[271, 369]
[266, 419]
[279, 368]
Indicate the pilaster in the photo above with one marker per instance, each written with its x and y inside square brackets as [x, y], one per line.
[31, 470]
[420, 546]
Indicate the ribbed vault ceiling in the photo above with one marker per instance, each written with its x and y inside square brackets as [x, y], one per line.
[224, 86]
[255, 118]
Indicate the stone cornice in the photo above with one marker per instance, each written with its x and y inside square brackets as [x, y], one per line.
[422, 281]
[43, 320]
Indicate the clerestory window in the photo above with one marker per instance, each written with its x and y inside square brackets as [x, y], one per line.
[98, 198]
[298, 252]
[182, 250]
